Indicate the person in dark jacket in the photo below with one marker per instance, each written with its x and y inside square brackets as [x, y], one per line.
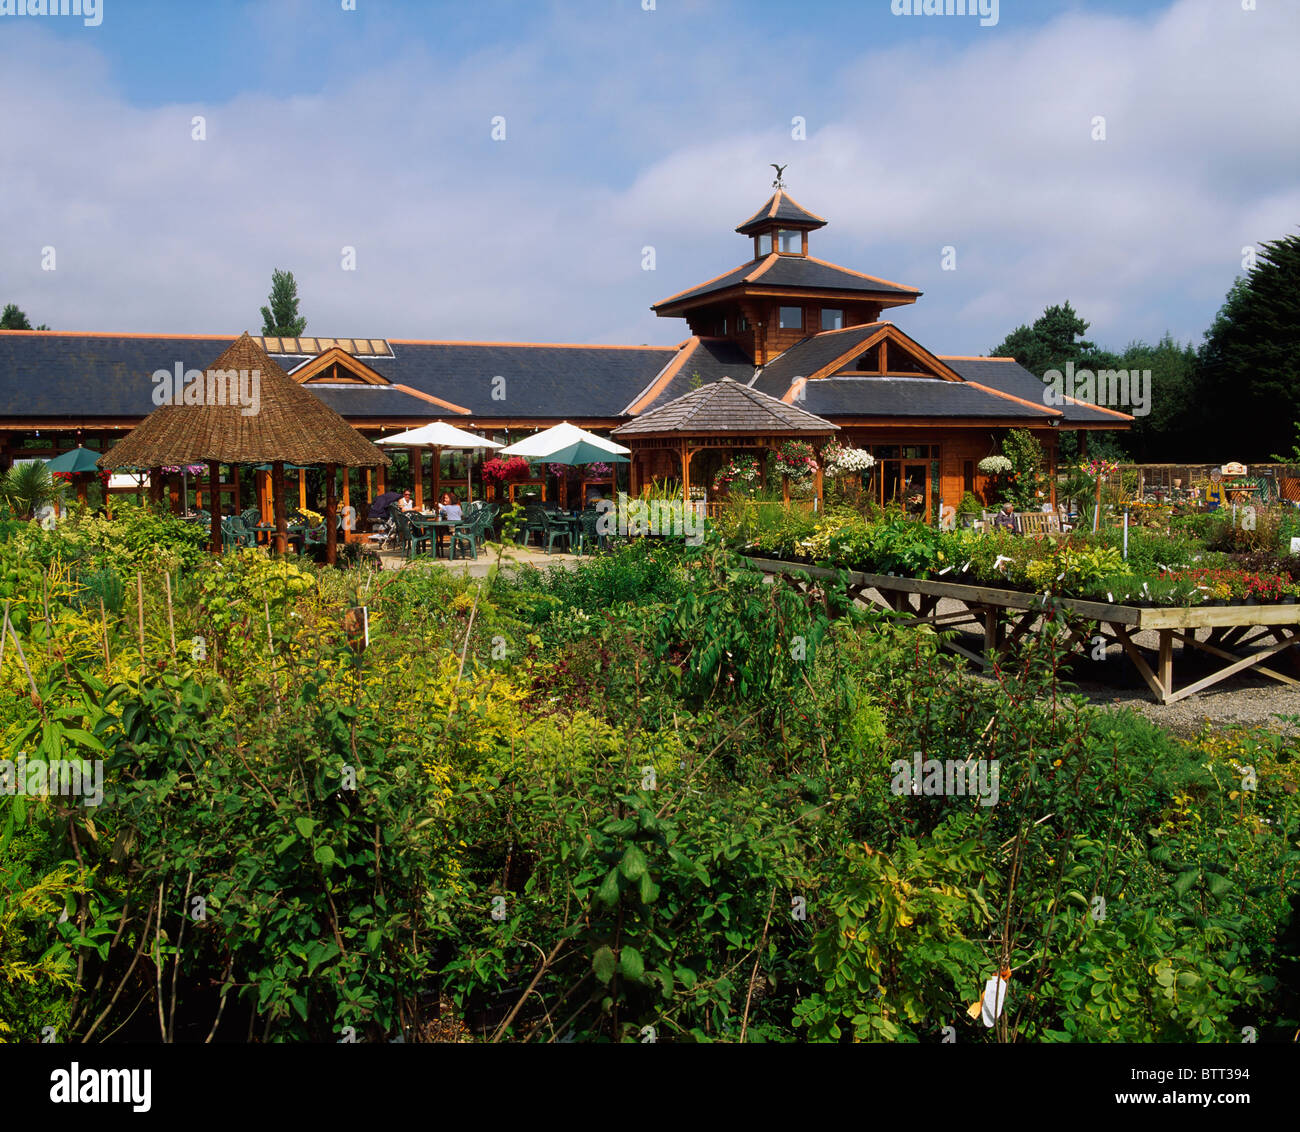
[1005, 519]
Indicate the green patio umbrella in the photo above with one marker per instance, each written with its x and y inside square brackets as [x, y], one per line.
[78, 461]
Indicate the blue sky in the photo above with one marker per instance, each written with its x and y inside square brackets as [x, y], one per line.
[627, 128]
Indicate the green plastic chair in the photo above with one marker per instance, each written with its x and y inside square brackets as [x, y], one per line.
[534, 523]
[413, 542]
[554, 531]
[468, 533]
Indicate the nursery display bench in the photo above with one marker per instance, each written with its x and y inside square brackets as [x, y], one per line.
[1006, 615]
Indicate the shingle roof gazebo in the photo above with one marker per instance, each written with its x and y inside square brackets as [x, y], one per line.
[722, 415]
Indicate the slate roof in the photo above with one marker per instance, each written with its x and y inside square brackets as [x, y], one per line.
[711, 358]
[783, 207]
[811, 354]
[1009, 376]
[911, 397]
[786, 271]
[540, 381]
[359, 402]
[726, 406]
[82, 376]
[75, 375]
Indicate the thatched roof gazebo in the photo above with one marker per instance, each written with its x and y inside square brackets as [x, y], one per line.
[724, 414]
[248, 411]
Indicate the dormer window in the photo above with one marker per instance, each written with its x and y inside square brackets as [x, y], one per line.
[790, 241]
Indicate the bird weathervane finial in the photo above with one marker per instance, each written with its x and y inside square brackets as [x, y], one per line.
[778, 183]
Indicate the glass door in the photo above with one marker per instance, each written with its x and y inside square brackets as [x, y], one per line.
[915, 490]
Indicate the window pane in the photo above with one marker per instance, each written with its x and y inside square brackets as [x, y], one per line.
[832, 320]
[765, 243]
[792, 318]
[791, 241]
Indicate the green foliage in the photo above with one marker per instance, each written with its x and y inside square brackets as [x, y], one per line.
[281, 318]
[653, 791]
[1256, 332]
[26, 488]
[1024, 485]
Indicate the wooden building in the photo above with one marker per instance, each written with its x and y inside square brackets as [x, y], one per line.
[784, 323]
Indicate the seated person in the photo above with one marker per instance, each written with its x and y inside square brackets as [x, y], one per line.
[406, 503]
[449, 508]
[1005, 519]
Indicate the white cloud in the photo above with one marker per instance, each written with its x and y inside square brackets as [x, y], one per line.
[662, 139]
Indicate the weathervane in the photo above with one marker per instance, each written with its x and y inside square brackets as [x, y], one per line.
[778, 183]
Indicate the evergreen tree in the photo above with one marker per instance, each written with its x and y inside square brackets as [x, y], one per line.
[1249, 388]
[1168, 433]
[1056, 337]
[281, 319]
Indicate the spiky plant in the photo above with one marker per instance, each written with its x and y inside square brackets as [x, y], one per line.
[26, 488]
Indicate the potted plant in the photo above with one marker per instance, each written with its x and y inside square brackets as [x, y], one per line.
[969, 509]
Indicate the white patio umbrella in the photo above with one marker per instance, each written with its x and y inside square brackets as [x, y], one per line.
[567, 444]
[439, 435]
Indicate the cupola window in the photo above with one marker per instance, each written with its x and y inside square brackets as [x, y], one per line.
[791, 241]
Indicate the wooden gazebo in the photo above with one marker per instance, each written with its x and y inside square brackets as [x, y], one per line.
[290, 425]
[722, 415]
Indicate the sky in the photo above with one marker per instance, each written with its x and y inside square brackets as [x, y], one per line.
[1120, 155]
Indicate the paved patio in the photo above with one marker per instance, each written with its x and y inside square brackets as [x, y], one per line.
[516, 556]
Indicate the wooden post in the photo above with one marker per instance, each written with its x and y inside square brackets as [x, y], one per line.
[302, 489]
[818, 485]
[416, 456]
[263, 485]
[370, 484]
[381, 486]
[331, 531]
[174, 494]
[277, 503]
[81, 487]
[785, 489]
[686, 475]
[437, 475]
[139, 610]
[1165, 666]
[1051, 468]
[234, 473]
[347, 484]
[214, 526]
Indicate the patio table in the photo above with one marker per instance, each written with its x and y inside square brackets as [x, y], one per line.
[441, 528]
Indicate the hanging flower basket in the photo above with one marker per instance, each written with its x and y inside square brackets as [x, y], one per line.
[497, 470]
[840, 460]
[740, 473]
